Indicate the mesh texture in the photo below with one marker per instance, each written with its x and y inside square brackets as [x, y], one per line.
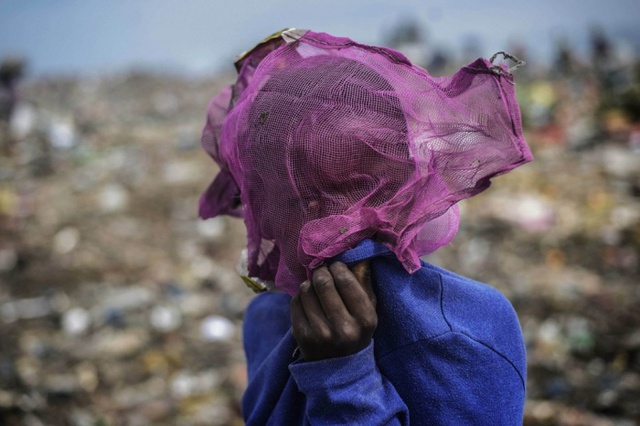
[324, 142]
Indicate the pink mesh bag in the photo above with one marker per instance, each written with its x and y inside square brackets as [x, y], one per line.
[323, 142]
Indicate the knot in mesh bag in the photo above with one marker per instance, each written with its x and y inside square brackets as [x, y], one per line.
[323, 142]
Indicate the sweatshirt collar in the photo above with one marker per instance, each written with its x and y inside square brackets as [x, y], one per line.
[366, 249]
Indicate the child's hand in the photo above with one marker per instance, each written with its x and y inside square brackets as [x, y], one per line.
[335, 314]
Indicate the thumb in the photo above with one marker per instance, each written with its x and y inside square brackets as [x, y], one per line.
[362, 272]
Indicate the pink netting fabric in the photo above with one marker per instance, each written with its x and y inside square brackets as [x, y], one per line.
[324, 142]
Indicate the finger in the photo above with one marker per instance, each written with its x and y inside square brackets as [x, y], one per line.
[354, 296]
[328, 296]
[313, 310]
[362, 272]
[299, 323]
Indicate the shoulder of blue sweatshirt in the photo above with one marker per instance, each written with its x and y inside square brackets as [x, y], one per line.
[433, 302]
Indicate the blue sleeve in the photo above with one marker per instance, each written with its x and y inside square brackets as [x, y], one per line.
[450, 379]
[348, 390]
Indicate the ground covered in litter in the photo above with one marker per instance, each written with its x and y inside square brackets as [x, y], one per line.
[118, 306]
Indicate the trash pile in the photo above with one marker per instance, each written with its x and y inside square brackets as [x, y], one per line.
[119, 306]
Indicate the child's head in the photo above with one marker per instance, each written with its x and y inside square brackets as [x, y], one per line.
[328, 142]
[321, 139]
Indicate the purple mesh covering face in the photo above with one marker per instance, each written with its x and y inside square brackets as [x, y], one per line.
[324, 142]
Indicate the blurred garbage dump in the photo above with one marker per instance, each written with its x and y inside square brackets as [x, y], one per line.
[118, 306]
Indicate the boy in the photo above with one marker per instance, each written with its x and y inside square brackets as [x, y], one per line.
[339, 154]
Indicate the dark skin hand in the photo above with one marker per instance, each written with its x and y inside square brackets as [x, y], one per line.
[334, 315]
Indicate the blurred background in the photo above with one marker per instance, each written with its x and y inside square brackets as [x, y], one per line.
[119, 307]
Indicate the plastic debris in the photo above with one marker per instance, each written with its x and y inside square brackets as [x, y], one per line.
[76, 321]
[216, 328]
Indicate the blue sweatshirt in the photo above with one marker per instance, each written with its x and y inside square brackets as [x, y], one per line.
[447, 351]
